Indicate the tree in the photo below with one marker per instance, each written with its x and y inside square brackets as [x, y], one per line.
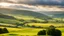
[28, 25]
[35, 21]
[50, 31]
[1, 31]
[5, 30]
[22, 20]
[42, 32]
[53, 32]
[46, 21]
[33, 26]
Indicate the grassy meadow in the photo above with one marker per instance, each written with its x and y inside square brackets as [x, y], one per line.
[25, 25]
[27, 31]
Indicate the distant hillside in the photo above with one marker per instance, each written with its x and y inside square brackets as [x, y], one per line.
[6, 16]
[25, 13]
[59, 15]
[56, 14]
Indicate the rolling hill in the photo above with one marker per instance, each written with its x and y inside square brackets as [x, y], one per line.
[61, 15]
[6, 16]
[24, 13]
[6, 19]
[56, 14]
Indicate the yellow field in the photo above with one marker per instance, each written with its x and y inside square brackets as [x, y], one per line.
[30, 31]
[25, 31]
[46, 24]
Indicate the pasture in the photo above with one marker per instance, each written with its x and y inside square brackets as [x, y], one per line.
[46, 24]
[25, 31]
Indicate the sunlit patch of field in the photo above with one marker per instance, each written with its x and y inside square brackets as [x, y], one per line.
[46, 24]
[2, 20]
[25, 31]
[22, 31]
[26, 17]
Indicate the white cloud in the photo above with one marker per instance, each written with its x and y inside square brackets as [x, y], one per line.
[21, 6]
[40, 2]
[31, 7]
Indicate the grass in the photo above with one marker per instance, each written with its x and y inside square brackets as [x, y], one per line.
[22, 31]
[9, 21]
[25, 31]
[28, 31]
[46, 24]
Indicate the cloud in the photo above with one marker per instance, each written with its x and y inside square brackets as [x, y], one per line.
[36, 5]
[37, 2]
[38, 8]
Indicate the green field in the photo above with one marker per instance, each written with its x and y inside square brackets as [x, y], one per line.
[28, 23]
[46, 24]
[25, 31]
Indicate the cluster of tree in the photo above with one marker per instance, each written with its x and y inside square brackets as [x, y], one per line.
[22, 20]
[60, 26]
[33, 21]
[33, 26]
[50, 31]
[56, 20]
[47, 21]
[37, 21]
[59, 21]
[4, 30]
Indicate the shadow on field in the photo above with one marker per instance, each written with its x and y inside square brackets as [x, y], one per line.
[3, 30]
[51, 31]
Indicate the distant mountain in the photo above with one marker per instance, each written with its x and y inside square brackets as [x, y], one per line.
[24, 12]
[6, 16]
[56, 14]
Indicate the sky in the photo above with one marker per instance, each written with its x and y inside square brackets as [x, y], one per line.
[37, 2]
[34, 5]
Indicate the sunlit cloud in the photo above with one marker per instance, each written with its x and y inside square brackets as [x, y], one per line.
[36, 2]
[32, 5]
[4, 4]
